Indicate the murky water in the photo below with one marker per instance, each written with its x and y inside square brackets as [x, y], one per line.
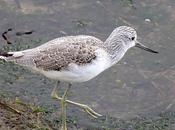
[141, 83]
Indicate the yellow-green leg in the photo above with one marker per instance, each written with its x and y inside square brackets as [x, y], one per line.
[63, 109]
[63, 105]
[86, 108]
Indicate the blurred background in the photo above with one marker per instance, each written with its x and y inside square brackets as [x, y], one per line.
[140, 85]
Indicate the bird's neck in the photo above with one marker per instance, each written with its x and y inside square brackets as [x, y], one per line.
[115, 48]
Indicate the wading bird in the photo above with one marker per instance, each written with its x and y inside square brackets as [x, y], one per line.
[76, 59]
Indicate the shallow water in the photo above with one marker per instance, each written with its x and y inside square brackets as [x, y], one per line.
[140, 84]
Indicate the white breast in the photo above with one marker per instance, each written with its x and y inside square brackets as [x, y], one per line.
[76, 73]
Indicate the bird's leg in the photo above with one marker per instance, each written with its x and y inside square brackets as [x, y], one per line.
[54, 94]
[55, 90]
[86, 108]
[63, 109]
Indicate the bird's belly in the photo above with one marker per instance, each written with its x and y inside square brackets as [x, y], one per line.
[70, 76]
[80, 74]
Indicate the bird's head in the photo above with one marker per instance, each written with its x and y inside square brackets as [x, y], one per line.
[129, 38]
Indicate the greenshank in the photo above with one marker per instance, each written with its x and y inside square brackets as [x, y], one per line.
[76, 59]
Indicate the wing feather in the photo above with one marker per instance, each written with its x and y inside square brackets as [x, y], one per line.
[59, 53]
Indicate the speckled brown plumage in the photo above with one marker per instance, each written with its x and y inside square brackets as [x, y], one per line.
[62, 56]
[59, 53]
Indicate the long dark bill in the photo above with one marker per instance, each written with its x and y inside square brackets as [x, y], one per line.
[141, 46]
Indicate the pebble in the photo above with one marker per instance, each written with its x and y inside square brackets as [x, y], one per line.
[147, 20]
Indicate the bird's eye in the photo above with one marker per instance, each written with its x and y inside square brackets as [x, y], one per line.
[133, 38]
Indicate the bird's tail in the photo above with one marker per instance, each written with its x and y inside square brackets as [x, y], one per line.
[4, 55]
[9, 56]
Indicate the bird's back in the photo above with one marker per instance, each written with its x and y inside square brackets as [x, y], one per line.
[57, 54]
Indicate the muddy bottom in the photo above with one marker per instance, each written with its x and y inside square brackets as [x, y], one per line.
[18, 115]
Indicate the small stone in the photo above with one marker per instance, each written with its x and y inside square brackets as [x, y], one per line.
[147, 20]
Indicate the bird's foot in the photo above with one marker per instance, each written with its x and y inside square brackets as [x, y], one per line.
[86, 108]
[90, 111]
